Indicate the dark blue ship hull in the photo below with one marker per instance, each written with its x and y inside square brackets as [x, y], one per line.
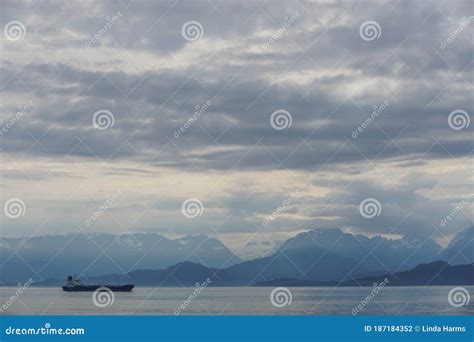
[91, 288]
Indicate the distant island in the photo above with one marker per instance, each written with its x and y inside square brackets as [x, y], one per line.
[438, 273]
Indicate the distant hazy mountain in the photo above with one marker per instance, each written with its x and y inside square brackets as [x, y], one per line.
[318, 255]
[433, 274]
[56, 256]
[370, 253]
[461, 249]
[333, 255]
[255, 249]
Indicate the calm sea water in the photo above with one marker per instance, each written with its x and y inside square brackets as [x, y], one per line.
[238, 301]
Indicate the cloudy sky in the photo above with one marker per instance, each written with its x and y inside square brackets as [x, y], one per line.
[276, 116]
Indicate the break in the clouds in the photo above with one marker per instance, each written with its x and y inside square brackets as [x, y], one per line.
[276, 116]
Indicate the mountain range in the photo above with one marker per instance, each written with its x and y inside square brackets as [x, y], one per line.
[56, 256]
[321, 255]
[461, 249]
[331, 255]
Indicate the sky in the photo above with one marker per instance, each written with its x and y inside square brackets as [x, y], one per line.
[248, 121]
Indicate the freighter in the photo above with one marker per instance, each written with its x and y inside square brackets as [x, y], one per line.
[73, 284]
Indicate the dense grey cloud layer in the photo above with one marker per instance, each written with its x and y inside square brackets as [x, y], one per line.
[306, 57]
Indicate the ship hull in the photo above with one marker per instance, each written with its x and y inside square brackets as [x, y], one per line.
[91, 288]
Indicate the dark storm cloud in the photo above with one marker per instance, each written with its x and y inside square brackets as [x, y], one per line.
[151, 100]
[317, 68]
